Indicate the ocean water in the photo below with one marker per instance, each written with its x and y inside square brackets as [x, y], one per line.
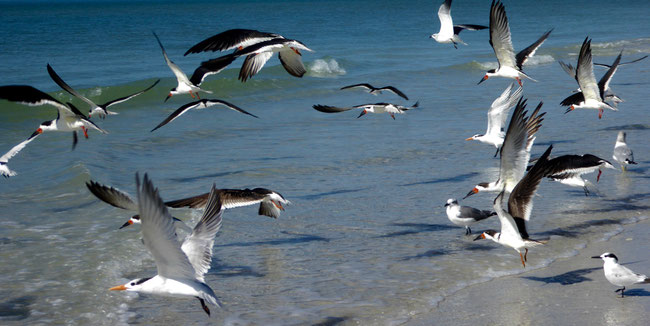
[366, 240]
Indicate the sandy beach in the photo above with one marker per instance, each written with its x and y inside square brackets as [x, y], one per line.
[570, 290]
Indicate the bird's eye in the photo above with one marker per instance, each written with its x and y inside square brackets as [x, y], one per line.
[132, 283]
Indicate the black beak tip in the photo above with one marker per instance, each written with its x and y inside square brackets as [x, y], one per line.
[479, 237]
[125, 225]
[597, 257]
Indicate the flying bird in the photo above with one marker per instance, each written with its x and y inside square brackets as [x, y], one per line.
[568, 169]
[4, 159]
[448, 31]
[69, 118]
[201, 104]
[181, 267]
[515, 151]
[620, 275]
[465, 215]
[100, 109]
[591, 93]
[236, 39]
[256, 56]
[497, 116]
[185, 85]
[520, 206]
[377, 90]
[377, 108]
[510, 65]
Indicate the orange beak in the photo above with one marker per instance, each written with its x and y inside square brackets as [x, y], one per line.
[278, 206]
[470, 138]
[483, 79]
[118, 288]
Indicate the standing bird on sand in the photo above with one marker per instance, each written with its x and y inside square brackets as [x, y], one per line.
[510, 65]
[620, 275]
[185, 85]
[591, 94]
[520, 205]
[497, 116]
[181, 267]
[622, 153]
[69, 118]
[100, 109]
[448, 31]
[465, 215]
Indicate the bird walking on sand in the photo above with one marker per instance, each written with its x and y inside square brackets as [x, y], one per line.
[620, 275]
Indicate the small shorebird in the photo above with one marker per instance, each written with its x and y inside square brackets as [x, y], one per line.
[497, 115]
[232, 39]
[256, 56]
[181, 267]
[620, 275]
[622, 153]
[100, 109]
[185, 85]
[591, 93]
[448, 31]
[515, 152]
[377, 108]
[510, 65]
[465, 215]
[201, 104]
[520, 205]
[69, 118]
[377, 90]
[568, 169]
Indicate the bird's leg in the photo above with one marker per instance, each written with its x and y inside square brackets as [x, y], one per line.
[197, 95]
[191, 94]
[205, 308]
[519, 81]
[455, 47]
[600, 113]
[497, 152]
[622, 290]
[526, 254]
[586, 190]
[85, 131]
[392, 116]
[468, 231]
[599, 173]
[522, 260]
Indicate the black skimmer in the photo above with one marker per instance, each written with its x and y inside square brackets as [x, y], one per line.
[185, 85]
[568, 169]
[4, 159]
[256, 56]
[100, 109]
[515, 151]
[69, 118]
[620, 275]
[497, 115]
[389, 108]
[271, 202]
[622, 153]
[121, 199]
[520, 205]
[377, 90]
[181, 267]
[232, 39]
[465, 215]
[448, 31]
[201, 104]
[510, 65]
[591, 93]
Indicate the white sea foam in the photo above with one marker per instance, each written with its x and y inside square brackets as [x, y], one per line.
[325, 68]
[539, 60]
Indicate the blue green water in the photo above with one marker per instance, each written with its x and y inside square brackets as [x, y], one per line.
[366, 240]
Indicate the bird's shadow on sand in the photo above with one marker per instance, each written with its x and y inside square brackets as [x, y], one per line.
[205, 176]
[637, 293]
[296, 239]
[330, 193]
[458, 178]
[568, 278]
[416, 228]
[331, 321]
[573, 231]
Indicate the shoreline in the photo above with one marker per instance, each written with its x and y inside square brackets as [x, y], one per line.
[569, 290]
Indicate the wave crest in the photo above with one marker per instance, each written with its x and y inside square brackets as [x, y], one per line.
[325, 68]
